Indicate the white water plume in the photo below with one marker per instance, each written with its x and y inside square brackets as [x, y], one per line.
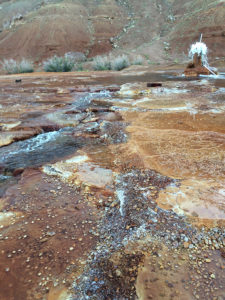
[121, 197]
[200, 49]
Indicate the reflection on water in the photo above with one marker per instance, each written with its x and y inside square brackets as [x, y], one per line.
[217, 80]
[36, 151]
[167, 153]
[5, 182]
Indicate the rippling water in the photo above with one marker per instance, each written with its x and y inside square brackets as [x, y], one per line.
[38, 150]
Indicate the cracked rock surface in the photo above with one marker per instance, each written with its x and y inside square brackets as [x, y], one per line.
[110, 189]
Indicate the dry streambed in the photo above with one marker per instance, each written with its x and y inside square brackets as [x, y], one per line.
[111, 190]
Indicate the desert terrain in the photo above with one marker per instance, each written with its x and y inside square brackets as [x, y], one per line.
[112, 182]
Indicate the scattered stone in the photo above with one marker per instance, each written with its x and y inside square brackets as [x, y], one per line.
[186, 245]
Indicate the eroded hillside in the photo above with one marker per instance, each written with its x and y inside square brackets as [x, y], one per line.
[38, 29]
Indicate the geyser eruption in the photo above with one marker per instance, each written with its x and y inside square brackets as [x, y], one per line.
[199, 64]
[200, 49]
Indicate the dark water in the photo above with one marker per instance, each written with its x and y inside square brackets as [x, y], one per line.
[39, 150]
[5, 182]
[218, 81]
[48, 147]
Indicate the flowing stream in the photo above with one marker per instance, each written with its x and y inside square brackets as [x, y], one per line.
[111, 188]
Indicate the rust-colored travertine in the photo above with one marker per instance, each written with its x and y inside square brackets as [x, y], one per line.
[111, 187]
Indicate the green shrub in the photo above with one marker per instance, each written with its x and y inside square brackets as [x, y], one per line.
[56, 63]
[120, 62]
[137, 60]
[78, 67]
[101, 63]
[12, 66]
[26, 66]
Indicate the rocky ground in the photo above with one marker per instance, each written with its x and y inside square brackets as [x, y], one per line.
[111, 187]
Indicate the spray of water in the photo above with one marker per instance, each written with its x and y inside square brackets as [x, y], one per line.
[201, 49]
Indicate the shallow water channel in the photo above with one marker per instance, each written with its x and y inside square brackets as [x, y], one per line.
[111, 188]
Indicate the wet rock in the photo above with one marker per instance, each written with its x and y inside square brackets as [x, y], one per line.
[65, 120]
[197, 209]
[196, 67]
[113, 277]
[113, 192]
[35, 151]
[9, 137]
[222, 251]
[18, 171]
[111, 116]
[154, 84]
[8, 218]
[9, 126]
[113, 132]
[78, 170]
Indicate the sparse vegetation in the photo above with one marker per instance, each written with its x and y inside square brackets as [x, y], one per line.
[101, 63]
[120, 62]
[56, 63]
[138, 60]
[78, 67]
[12, 66]
[77, 56]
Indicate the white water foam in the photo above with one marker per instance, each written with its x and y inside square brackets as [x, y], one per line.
[200, 49]
[40, 140]
[4, 177]
[77, 159]
[53, 170]
[6, 215]
[32, 144]
[222, 192]
[121, 197]
[214, 76]
[167, 91]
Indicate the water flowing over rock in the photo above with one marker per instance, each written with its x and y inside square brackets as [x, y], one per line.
[112, 188]
[199, 64]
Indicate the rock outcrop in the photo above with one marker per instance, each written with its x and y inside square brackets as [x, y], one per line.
[196, 67]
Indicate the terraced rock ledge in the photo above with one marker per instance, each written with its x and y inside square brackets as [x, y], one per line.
[110, 189]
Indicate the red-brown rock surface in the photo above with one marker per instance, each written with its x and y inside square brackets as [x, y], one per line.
[196, 68]
[111, 191]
